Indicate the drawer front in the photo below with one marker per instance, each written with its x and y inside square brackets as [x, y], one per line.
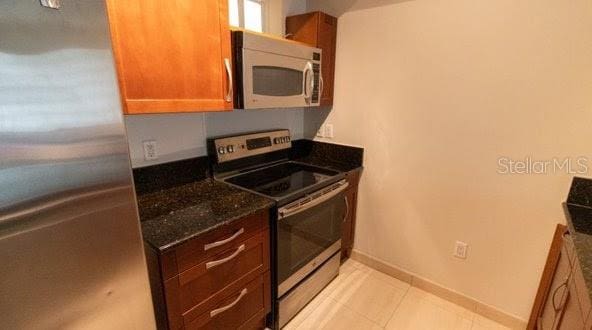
[238, 307]
[210, 244]
[240, 260]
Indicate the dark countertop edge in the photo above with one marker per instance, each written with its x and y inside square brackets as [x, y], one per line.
[576, 239]
[165, 248]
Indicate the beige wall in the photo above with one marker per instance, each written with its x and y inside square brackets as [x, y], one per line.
[437, 91]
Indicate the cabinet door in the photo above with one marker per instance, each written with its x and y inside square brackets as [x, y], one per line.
[551, 312]
[347, 228]
[318, 30]
[327, 37]
[172, 56]
[571, 316]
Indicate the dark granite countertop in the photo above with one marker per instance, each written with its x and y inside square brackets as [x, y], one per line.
[578, 213]
[177, 201]
[174, 215]
[337, 157]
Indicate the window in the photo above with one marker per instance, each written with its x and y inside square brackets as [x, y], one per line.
[248, 14]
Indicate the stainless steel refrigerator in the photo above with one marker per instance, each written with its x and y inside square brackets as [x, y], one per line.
[71, 252]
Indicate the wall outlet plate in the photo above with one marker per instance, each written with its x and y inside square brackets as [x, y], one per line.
[460, 249]
[329, 130]
[150, 152]
[321, 131]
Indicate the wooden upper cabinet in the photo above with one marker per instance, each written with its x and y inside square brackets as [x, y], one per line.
[172, 56]
[318, 30]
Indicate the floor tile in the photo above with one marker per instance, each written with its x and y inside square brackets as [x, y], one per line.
[420, 313]
[305, 312]
[481, 323]
[370, 295]
[440, 302]
[333, 315]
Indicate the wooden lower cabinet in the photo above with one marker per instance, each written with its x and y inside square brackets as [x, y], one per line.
[558, 303]
[348, 227]
[219, 280]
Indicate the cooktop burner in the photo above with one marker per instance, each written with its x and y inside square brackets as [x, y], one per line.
[282, 179]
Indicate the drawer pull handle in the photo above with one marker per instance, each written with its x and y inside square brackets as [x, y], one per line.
[229, 306]
[224, 241]
[230, 257]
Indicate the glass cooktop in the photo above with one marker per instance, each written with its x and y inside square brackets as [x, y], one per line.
[282, 179]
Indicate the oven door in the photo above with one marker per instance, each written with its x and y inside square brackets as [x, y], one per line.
[309, 233]
[278, 81]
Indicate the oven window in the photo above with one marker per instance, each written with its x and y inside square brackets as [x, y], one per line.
[277, 81]
[303, 236]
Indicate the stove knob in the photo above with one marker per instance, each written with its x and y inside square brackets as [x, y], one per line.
[230, 149]
[283, 139]
[276, 140]
[287, 139]
[221, 150]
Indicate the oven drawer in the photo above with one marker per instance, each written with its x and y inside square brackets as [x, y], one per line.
[240, 306]
[210, 244]
[240, 260]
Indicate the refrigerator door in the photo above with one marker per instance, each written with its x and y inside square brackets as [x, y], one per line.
[71, 251]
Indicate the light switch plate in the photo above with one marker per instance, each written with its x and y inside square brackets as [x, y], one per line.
[460, 250]
[150, 152]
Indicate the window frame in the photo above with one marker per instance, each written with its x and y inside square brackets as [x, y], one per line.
[264, 14]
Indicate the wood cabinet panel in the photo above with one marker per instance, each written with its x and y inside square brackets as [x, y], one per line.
[348, 227]
[318, 30]
[239, 306]
[581, 291]
[571, 315]
[557, 293]
[208, 279]
[198, 282]
[194, 251]
[170, 55]
[561, 301]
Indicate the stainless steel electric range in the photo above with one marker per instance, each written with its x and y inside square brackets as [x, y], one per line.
[306, 224]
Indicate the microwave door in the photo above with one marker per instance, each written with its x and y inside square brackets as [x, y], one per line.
[275, 81]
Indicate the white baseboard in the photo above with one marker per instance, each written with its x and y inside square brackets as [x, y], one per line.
[436, 289]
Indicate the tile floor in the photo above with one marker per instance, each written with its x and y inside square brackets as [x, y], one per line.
[363, 298]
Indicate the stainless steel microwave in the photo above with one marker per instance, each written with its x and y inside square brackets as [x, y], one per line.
[275, 73]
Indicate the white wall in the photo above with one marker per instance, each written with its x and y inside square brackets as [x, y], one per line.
[181, 136]
[437, 91]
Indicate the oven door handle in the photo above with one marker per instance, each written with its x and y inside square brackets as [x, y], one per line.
[308, 202]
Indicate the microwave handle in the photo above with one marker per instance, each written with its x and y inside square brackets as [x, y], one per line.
[308, 93]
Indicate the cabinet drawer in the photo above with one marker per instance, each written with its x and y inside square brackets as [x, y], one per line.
[239, 260]
[240, 306]
[217, 241]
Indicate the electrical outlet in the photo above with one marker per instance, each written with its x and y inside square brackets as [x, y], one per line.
[460, 249]
[329, 131]
[321, 131]
[150, 152]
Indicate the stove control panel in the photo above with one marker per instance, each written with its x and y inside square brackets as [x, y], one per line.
[241, 146]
